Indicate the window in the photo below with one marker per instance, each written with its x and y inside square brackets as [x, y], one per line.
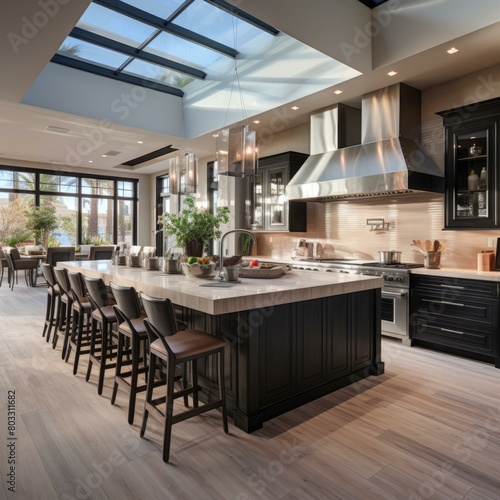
[89, 210]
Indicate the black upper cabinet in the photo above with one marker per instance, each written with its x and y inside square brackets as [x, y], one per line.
[267, 206]
[471, 163]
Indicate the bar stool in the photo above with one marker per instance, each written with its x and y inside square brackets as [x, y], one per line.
[53, 296]
[172, 346]
[81, 320]
[64, 309]
[102, 347]
[132, 343]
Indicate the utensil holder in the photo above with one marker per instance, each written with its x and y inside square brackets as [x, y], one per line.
[432, 260]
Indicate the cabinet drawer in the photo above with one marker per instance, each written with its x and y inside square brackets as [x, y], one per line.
[470, 339]
[446, 307]
[456, 287]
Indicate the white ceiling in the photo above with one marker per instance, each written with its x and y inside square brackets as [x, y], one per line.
[412, 38]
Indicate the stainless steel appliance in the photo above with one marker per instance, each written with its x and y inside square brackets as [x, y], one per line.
[395, 292]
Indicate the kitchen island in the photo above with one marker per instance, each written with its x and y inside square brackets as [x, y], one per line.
[291, 339]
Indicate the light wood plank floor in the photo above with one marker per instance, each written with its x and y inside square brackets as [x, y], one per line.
[428, 428]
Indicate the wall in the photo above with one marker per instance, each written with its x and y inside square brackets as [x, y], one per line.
[341, 226]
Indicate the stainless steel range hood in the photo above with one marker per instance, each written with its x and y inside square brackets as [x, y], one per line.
[388, 161]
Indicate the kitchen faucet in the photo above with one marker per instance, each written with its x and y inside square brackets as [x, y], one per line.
[221, 258]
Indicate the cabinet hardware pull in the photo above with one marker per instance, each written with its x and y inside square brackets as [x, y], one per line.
[451, 303]
[451, 331]
[400, 294]
[453, 286]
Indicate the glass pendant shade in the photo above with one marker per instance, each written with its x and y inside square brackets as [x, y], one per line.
[236, 151]
[182, 173]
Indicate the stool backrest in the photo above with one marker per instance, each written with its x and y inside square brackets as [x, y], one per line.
[161, 315]
[127, 300]
[77, 284]
[48, 274]
[97, 291]
[61, 274]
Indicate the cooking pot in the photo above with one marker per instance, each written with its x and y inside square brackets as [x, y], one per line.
[390, 257]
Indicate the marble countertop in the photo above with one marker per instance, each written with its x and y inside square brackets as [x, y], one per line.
[455, 272]
[251, 293]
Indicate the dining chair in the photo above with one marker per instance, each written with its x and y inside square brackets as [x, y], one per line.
[149, 250]
[60, 254]
[171, 346]
[3, 265]
[101, 252]
[16, 263]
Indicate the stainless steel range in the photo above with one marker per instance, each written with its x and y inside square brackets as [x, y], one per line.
[395, 292]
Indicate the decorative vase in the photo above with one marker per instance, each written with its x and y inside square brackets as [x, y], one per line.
[194, 248]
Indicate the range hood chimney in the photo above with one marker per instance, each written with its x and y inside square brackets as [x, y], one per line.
[389, 160]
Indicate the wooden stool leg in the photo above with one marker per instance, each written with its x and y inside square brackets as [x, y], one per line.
[47, 311]
[133, 379]
[92, 347]
[149, 391]
[194, 378]
[104, 354]
[222, 389]
[118, 371]
[169, 411]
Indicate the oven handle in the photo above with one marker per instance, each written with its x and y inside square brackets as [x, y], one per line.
[395, 294]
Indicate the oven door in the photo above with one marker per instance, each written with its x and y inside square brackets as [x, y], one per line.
[395, 312]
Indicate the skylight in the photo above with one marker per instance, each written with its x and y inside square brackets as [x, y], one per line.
[225, 64]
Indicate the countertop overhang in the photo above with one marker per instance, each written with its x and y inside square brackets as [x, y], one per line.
[456, 272]
[251, 293]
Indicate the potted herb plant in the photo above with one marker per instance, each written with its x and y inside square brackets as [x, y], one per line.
[194, 227]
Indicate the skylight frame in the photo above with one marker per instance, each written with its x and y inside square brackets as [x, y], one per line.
[140, 53]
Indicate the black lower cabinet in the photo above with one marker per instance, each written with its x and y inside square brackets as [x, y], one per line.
[456, 315]
[283, 356]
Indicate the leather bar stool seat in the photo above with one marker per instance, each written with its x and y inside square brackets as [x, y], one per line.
[103, 340]
[171, 346]
[132, 345]
[53, 296]
[81, 321]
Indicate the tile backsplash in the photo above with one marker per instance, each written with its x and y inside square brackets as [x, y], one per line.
[341, 229]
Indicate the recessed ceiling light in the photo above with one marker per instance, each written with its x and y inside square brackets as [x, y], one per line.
[104, 156]
[140, 142]
[337, 92]
[295, 108]
[452, 50]
[91, 161]
[392, 73]
[256, 122]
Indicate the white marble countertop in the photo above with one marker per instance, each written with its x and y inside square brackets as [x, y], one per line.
[455, 272]
[251, 293]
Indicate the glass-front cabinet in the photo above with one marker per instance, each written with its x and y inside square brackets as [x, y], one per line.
[471, 166]
[267, 206]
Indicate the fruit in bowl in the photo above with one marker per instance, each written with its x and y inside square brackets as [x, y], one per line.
[199, 267]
